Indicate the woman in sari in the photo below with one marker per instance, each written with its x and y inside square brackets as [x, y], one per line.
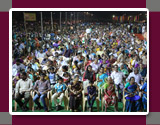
[75, 89]
[132, 97]
[110, 95]
[144, 97]
[101, 76]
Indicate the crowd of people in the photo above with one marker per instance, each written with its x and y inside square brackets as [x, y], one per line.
[90, 57]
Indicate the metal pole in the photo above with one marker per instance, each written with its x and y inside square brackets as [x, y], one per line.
[74, 18]
[66, 18]
[77, 17]
[60, 21]
[70, 17]
[42, 25]
[84, 17]
[52, 21]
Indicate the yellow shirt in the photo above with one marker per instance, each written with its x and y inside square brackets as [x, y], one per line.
[140, 49]
[97, 49]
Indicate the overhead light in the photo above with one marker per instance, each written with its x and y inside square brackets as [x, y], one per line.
[113, 16]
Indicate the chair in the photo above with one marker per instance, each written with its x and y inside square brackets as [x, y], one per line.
[100, 94]
[84, 98]
[124, 101]
[30, 103]
[102, 98]
[46, 100]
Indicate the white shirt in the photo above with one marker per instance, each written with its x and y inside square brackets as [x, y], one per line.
[41, 55]
[137, 77]
[14, 72]
[117, 77]
[95, 66]
[18, 67]
[23, 85]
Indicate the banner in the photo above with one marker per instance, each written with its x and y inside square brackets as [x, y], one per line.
[30, 16]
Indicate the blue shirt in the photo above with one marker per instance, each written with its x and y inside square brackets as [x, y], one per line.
[91, 90]
[35, 67]
[144, 88]
[60, 87]
[52, 78]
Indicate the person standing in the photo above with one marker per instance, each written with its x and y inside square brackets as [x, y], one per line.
[118, 77]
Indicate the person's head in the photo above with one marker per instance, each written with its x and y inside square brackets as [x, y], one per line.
[56, 54]
[141, 66]
[116, 68]
[102, 70]
[135, 70]
[122, 66]
[104, 61]
[60, 80]
[89, 68]
[65, 74]
[96, 61]
[132, 80]
[42, 76]
[18, 61]
[76, 62]
[41, 51]
[91, 83]
[61, 58]
[65, 68]
[76, 78]
[52, 69]
[109, 80]
[98, 57]
[100, 48]
[24, 75]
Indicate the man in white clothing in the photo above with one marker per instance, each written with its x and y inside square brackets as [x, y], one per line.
[41, 54]
[18, 66]
[118, 76]
[22, 90]
[136, 75]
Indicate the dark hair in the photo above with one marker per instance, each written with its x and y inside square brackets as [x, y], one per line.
[76, 76]
[65, 67]
[65, 73]
[43, 74]
[131, 78]
[91, 82]
[52, 68]
[24, 73]
[18, 60]
[60, 78]
[89, 66]
[76, 62]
